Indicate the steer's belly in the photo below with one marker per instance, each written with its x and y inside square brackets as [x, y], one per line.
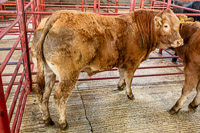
[91, 70]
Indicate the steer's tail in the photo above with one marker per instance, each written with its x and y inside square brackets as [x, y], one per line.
[40, 79]
[44, 26]
[49, 23]
[37, 50]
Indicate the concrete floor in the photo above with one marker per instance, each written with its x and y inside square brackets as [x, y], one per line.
[96, 106]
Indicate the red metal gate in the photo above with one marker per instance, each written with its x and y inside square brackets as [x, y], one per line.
[23, 13]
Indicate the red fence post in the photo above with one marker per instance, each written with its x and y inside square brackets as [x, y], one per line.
[132, 5]
[152, 4]
[116, 4]
[42, 5]
[24, 43]
[38, 9]
[1, 8]
[95, 6]
[169, 3]
[34, 18]
[142, 4]
[4, 123]
[99, 3]
[108, 6]
[85, 5]
[82, 5]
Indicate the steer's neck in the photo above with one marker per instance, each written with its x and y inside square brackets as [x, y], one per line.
[145, 25]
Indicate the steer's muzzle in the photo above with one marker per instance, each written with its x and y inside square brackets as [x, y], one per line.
[177, 43]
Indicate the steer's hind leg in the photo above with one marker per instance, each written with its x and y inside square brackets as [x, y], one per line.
[49, 83]
[191, 81]
[67, 81]
[121, 83]
[196, 101]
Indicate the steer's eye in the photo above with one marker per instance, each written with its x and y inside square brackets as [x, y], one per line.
[166, 26]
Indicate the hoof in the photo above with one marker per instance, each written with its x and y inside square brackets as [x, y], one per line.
[120, 88]
[64, 126]
[49, 122]
[172, 111]
[131, 97]
[192, 107]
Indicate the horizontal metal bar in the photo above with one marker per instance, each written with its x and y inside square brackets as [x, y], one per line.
[5, 61]
[135, 76]
[2, 49]
[114, 69]
[10, 63]
[163, 57]
[3, 33]
[7, 93]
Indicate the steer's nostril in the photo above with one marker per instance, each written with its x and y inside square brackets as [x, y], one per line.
[178, 43]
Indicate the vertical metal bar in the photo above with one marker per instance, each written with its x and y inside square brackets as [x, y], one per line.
[152, 3]
[33, 19]
[44, 9]
[38, 9]
[4, 123]
[24, 43]
[85, 5]
[163, 5]
[116, 4]
[42, 5]
[132, 5]
[169, 3]
[107, 6]
[160, 51]
[82, 7]
[2, 16]
[99, 2]
[35, 9]
[142, 4]
[95, 6]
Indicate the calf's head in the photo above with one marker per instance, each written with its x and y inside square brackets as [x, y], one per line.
[166, 25]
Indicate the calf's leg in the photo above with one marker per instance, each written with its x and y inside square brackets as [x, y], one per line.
[63, 91]
[50, 78]
[121, 83]
[191, 81]
[196, 101]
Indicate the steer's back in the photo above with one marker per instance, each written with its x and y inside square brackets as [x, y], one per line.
[80, 38]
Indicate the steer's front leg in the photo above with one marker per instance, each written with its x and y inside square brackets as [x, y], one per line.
[128, 80]
[121, 84]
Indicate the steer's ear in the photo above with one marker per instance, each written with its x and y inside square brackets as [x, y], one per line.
[184, 18]
[158, 21]
[167, 11]
[190, 20]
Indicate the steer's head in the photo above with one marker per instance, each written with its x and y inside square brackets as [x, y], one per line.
[167, 25]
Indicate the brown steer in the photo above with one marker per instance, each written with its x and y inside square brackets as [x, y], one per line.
[67, 43]
[190, 54]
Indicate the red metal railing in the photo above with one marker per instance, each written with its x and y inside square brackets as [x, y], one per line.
[33, 11]
[19, 26]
